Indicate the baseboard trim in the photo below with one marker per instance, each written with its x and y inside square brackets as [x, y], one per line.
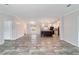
[14, 38]
[71, 43]
[18, 37]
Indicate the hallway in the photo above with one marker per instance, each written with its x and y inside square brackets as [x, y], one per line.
[27, 29]
[45, 46]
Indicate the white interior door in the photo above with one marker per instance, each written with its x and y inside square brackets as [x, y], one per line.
[7, 30]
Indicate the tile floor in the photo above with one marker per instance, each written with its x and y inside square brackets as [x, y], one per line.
[44, 46]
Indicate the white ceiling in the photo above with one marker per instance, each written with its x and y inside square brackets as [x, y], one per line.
[37, 10]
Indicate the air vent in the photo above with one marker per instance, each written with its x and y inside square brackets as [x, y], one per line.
[68, 5]
[6, 4]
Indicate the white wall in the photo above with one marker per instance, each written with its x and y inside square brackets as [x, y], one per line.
[62, 28]
[70, 28]
[16, 30]
[78, 31]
